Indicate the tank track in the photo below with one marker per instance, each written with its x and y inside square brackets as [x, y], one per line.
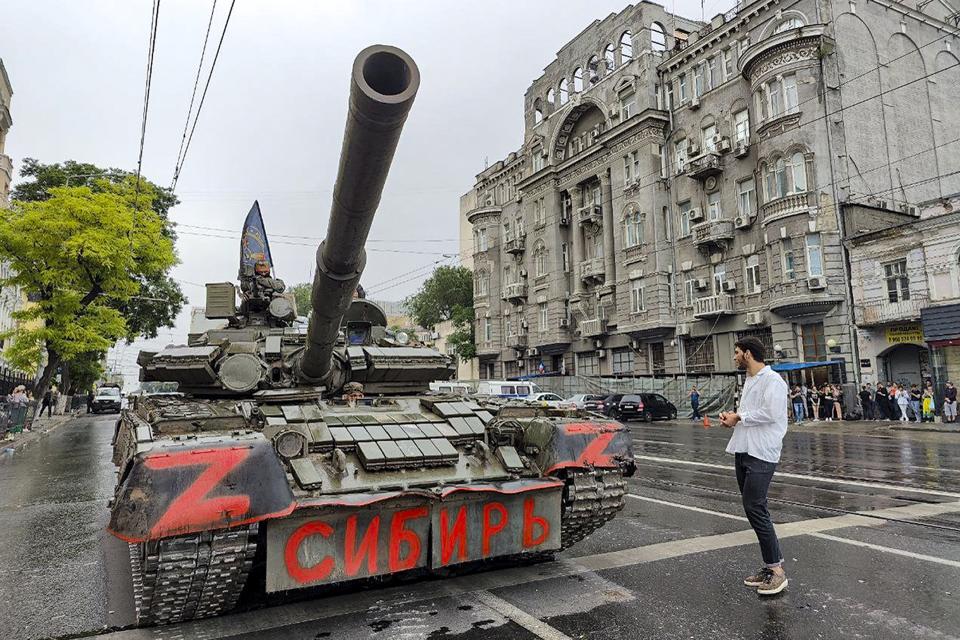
[590, 500]
[194, 576]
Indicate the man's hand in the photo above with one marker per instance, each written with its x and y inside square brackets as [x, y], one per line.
[729, 419]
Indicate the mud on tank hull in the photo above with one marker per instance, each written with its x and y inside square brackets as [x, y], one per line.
[325, 493]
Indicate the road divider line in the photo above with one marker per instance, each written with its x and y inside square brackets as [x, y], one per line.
[284, 616]
[531, 623]
[687, 507]
[877, 547]
[800, 476]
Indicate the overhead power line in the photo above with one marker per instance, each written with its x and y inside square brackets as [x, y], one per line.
[203, 97]
[154, 19]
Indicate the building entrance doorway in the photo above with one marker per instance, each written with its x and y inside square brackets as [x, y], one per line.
[905, 364]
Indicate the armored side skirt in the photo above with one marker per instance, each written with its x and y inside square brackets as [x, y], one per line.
[345, 538]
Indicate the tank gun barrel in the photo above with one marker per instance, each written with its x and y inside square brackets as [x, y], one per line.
[383, 84]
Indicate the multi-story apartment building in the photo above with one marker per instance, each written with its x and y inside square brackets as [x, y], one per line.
[11, 298]
[680, 183]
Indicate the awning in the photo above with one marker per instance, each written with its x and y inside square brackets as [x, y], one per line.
[796, 366]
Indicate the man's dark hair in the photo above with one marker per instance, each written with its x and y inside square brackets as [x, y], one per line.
[753, 345]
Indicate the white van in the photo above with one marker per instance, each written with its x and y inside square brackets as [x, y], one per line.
[451, 386]
[506, 388]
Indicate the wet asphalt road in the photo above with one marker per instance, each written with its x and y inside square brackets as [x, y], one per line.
[669, 566]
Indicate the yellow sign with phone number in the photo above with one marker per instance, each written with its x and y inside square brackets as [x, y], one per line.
[905, 333]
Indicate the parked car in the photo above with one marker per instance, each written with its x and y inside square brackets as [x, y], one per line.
[587, 401]
[106, 399]
[629, 407]
[506, 388]
[609, 404]
[656, 406]
[550, 399]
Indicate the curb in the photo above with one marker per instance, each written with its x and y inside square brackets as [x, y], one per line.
[924, 430]
[38, 434]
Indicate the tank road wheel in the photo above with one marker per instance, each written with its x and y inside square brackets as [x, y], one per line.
[195, 576]
[590, 499]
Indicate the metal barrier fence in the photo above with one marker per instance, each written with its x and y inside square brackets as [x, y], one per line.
[717, 392]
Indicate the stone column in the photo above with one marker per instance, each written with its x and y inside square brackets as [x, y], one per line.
[609, 252]
[577, 242]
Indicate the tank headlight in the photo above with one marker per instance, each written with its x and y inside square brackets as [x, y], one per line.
[402, 337]
[289, 444]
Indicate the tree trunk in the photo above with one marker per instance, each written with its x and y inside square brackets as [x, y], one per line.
[66, 381]
[53, 361]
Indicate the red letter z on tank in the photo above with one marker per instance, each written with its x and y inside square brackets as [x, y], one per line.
[192, 509]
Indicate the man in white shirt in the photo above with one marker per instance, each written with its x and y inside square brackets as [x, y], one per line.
[759, 424]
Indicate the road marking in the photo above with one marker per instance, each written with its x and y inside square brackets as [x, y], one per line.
[877, 547]
[532, 624]
[800, 476]
[672, 444]
[283, 616]
[687, 507]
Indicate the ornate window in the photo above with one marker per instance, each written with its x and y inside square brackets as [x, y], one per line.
[658, 39]
[784, 176]
[609, 58]
[626, 47]
[633, 226]
[898, 283]
[551, 96]
[577, 80]
[540, 259]
[564, 91]
[593, 70]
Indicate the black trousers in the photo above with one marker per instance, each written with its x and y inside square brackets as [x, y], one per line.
[753, 477]
[48, 407]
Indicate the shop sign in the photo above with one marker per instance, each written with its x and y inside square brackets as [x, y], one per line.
[905, 333]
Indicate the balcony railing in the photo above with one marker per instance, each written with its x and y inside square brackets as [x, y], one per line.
[515, 244]
[593, 327]
[515, 291]
[884, 311]
[785, 206]
[592, 213]
[713, 232]
[517, 340]
[704, 166]
[592, 269]
[713, 306]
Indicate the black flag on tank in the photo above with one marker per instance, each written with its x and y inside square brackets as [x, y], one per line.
[254, 246]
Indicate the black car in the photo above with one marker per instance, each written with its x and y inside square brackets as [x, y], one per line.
[630, 407]
[608, 406]
[656, 406]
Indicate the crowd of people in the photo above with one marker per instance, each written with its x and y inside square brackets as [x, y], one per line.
[20, 409]
[883, 401]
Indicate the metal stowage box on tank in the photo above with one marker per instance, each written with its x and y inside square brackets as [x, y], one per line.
[320, 452]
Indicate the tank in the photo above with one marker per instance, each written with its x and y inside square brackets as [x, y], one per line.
[297, 455]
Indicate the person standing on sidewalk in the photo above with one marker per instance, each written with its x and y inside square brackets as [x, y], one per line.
[915, 398]
[883, 402]
[759, 424]
[695, 402]
[903, 401]
[796, 398]
[828, 402]
[866, 401]
[950, 403]
[928, 403]
[47, 402]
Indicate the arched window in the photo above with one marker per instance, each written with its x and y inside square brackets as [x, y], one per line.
[799, 173]
[788, 24]
[564, 91]
[577, 80]
[658, 38]
[780, 169]
[626, 47]
[593, 70]
[609, 58]
[633, 226]
[551, 97]
[537, 111]
[539, 259]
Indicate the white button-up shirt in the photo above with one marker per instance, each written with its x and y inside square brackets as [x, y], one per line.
[763, 417]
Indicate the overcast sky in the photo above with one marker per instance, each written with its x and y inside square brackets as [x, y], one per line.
[273, 120]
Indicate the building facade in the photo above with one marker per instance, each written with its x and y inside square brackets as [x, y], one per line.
[11, 298]
[680, 185]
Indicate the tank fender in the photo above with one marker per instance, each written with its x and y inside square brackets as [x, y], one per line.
[580, 445]
[179, 488]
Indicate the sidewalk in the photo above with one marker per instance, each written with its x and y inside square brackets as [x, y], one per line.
[38, 430]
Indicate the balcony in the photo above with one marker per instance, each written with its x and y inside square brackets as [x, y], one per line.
[795, 299]
[882, 311]
[713, 306]
[786, 206]
[590, 214]
[593, 327]
[592, 270]
[713, 233]
[517, 340]
[516, 291]
[704, 166]
[515, 244]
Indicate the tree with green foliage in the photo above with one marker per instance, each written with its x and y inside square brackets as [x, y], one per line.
[301, 293]
[447, 295]
[82, 254]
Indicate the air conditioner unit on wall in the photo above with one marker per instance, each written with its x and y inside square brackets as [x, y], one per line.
[693, 149]
[533, 352]
[729, 285]
[695, 102]
[816, 282]
[601, 353]
[721, 143]
[754, 318]
[683, 329]
[696, 214]
[701, 283]
[741, 149]
[743, 222]
[564, 323]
